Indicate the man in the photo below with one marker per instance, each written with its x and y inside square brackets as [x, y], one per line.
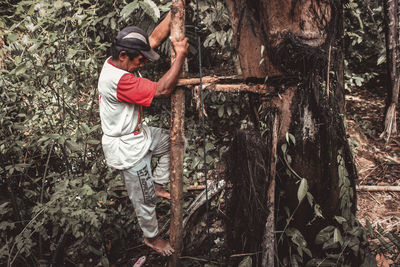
[128, 144]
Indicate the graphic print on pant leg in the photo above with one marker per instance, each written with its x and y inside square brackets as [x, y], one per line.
[147, 185]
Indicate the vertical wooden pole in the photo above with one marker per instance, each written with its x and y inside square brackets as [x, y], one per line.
[268, 248]
[177, 140]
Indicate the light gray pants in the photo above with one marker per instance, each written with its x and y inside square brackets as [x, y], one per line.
[140, 179]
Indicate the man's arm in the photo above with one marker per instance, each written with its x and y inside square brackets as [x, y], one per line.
[168, 81]
[161, 32]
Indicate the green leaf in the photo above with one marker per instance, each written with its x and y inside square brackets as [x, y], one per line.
[85, 128]
[308, 252]
[20, 69]
[93, 142]
[393, 237]
[209, 159]
[337, 237]
[246, 262]
[209, 146]
[290, 137]
[71, 53]
[229, 110]
[385, 244]
[284, 148]
[340, 219]
[303, 189]
[221, 111]
[381, 59]
[12, 37]
[195, 162]
[330, 244]
[151, 9]
[324, 235]
[129, 8]
[54, 136]
[74, 147]
[95, 251]
[310, 199]
[3, 209]
[113, 24]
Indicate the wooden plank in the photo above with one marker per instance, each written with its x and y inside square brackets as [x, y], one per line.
[177, 140]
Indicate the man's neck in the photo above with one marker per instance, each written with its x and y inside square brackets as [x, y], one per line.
[115, 63]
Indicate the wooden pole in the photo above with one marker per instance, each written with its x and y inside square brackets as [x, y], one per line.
[268, 248]
[177, 140]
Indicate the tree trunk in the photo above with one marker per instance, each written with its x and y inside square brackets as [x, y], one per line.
[315, 170]
[390, 9]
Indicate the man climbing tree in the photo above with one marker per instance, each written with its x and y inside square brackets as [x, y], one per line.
[293, 45]
[128, 144]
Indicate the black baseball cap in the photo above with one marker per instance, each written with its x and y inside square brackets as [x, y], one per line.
[133, 37]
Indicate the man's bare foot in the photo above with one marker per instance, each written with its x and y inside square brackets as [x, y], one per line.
[161, 192]
[160, 245]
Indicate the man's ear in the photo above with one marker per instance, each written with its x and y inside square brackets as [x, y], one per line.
[122, 55]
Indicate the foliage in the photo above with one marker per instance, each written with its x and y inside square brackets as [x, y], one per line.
[364, 42]
[389, 241]
[56, 189]
[215, 30]
[340, 241]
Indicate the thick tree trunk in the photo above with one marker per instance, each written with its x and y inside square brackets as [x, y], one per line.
[390, 9]
[300, 40]
[177, 141]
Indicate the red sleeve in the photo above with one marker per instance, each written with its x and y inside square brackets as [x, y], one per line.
[136, 90]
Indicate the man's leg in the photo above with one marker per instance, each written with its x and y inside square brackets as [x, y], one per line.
[141, 191]
[161, 146]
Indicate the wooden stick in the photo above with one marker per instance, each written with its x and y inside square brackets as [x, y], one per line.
[240, 87]
[198, 259]
[244, 254]
[177, 141]
[193, 187]
[268, 247]
[378, 188]
[208, 79]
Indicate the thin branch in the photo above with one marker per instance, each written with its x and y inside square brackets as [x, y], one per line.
[378, 188]
[45, 173]
[244, 254]
[328, 71]
[9, 263]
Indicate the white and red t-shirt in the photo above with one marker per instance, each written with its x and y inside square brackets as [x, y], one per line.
[121, 97]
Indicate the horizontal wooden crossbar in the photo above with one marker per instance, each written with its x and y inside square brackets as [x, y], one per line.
[232, 84]
[209, 79]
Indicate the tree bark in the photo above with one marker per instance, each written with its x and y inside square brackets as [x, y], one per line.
[300, 38]
[390, 9]
[177, 140]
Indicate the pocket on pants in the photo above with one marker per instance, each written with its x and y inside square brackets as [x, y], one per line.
[147, 185]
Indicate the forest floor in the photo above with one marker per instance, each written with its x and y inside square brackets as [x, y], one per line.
[378, 163]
